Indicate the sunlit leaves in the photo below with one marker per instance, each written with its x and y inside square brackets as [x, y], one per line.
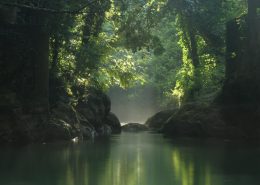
[123, 68]
[133, 42]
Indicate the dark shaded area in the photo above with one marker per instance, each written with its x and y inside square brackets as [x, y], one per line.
[157, 121]
[35, 105]
[235, 112]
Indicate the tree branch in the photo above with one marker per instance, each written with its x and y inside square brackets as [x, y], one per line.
[47, 10]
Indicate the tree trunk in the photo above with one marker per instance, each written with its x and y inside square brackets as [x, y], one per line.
[240, 98]
[40, 57]
[193, 48]
[242, 83]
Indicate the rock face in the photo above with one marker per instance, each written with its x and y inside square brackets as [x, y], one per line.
[134, 127]
[156, 122]
[89, 118]
[113, 122]
[203, 121]
[195, 120]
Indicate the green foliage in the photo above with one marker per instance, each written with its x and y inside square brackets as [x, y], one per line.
[175, 46]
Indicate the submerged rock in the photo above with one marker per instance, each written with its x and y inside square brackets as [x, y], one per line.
[134, 127]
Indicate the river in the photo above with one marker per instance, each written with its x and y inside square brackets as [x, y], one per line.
[132, 159]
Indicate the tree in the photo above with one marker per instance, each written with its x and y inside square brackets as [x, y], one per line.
[54, 22]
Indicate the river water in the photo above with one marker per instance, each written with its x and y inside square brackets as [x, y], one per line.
[132, 159]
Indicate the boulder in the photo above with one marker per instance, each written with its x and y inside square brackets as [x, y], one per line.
[104, 131]
[157, 121]
[65, 112]
[134, 127]
[95, 107]
[57, 130]
[190, 120]
[200, 120]
[88, 132]
[90, 118]
[64, 123]
[113, 122]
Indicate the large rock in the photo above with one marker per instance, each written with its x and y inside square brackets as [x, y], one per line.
[64, 123]
[104, 131]
[90, 118]
[200, 120]
[95, 107]
[65, 112]
[190, 120]
[57, 130]
[113, 122]
[158, 120]
[134, 127]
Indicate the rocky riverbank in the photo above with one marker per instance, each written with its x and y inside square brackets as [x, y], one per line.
[208, 121]
[88, 118]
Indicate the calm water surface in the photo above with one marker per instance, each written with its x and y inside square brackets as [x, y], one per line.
[132, 159]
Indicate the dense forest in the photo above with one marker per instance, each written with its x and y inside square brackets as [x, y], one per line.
[58, 59]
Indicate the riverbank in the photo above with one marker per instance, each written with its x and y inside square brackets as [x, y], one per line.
[88, 118]
[200, 120]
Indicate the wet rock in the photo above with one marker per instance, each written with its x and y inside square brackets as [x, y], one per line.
[65, 112]
[95, 107]
[158, 120]
[113, 122]
[88, 132]
[90, 118]
[64, 121]
[134, 127]
[200, 120]
[104, 131]
[192, 120]
[57, 130]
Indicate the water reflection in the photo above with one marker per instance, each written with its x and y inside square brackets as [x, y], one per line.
[131, 159]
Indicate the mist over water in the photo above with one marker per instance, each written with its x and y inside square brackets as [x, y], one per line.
[133, 105]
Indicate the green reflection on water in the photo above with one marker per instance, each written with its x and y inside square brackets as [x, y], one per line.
[130, 159]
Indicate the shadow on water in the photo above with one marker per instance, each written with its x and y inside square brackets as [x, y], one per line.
[132, 159]
[65, 164]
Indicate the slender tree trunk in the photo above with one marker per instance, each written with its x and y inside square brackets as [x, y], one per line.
[193, 51]
[193, 47]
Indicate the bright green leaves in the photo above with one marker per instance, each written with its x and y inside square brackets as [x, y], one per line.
[123, 68]
[176, 46]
